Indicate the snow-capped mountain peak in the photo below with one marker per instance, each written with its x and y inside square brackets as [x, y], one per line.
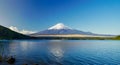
[59, 26]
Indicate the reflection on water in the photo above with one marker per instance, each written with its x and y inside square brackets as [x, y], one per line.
[24, 45]
[56, 49]
[57, 52]
[61, 52]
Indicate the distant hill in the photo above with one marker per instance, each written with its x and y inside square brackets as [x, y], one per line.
[6, 33]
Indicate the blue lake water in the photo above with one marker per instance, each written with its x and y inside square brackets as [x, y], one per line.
[63, 52]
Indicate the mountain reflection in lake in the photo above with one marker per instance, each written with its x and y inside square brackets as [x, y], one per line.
[62, 52]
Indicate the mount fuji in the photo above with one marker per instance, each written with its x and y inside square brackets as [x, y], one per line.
[61, 29]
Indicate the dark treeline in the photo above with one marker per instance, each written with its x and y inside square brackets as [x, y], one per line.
[77, 38]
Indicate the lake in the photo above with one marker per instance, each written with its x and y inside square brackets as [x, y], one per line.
[62, 52]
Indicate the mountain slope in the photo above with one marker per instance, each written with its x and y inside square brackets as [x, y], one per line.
[62, 31]
[6, 33]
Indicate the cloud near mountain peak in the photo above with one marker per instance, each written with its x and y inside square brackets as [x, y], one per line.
[20, 31]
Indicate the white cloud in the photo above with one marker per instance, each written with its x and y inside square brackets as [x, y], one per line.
[14, 28]
[21, 31]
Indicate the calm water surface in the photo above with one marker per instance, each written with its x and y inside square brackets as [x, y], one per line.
[63, 52]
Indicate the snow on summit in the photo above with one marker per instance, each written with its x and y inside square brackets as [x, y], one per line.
[59, 26]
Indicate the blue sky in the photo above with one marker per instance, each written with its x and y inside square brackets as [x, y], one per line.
[98, 16]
